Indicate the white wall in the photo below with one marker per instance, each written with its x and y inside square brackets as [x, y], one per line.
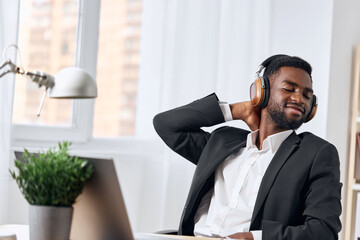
[345, 36]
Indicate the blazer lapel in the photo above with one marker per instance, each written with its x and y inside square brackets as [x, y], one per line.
[217, 158]
[281, 156]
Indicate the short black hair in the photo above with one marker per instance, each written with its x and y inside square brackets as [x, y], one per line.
[273, 64]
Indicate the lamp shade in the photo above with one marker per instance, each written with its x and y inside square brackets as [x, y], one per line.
[73, 82]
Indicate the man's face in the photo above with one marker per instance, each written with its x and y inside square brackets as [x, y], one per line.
[290, 97]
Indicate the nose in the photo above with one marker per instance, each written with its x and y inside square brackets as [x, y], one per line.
[297, 97]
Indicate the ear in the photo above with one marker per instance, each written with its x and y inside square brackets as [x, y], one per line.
[313, 109]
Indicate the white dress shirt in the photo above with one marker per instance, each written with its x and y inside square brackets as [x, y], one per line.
[228, 207]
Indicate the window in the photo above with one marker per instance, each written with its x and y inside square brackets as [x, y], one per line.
[47, 42]
[117, 68]
[105, 42]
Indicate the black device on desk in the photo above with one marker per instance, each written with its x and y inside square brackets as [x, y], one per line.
[100, 211]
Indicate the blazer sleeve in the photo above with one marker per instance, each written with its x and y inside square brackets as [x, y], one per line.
[322, 206]
[180, 128]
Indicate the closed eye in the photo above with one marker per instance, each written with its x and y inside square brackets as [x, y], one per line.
[288, 89]
[306, 96]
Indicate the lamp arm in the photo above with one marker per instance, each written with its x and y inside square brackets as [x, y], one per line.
[4, 73]
[41, 78]
[8, 63]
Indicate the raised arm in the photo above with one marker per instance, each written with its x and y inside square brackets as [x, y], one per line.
[180, 128]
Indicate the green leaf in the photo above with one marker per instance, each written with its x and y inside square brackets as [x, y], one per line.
[53, 177]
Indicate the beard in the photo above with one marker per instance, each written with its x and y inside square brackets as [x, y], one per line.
[277, 114]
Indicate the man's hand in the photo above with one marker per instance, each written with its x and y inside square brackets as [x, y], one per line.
[242, 236]
[246, 112]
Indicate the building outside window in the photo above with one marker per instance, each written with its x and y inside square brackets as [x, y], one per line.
[47, 42]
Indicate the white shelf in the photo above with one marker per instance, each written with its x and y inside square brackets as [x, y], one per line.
[356, 187]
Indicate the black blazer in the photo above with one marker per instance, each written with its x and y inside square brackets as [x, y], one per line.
[299, 196]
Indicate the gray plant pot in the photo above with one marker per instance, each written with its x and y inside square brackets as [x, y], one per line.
[48, 222]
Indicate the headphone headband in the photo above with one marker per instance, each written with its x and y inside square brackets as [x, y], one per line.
[261, 68]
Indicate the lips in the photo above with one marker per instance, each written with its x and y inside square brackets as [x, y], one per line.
[296, 107]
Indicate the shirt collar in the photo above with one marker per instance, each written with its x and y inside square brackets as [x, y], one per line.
[272, 142]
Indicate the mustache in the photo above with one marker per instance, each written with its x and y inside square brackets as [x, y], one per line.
[295, 105]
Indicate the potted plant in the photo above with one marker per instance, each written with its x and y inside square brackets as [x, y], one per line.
[51, 181]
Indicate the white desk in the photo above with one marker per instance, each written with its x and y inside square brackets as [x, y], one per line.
[179, 237]
[22, 233]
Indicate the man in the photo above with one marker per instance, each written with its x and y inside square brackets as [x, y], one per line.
[266, 184]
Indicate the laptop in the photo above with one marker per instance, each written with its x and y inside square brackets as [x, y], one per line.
[99, 211]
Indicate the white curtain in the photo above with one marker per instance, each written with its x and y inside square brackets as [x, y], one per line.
[8, 35]
[193, 48]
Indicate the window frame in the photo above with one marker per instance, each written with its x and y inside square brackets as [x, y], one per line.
[80, 128]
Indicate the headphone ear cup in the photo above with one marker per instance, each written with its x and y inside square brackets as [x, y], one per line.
[313, 109]
[257, 93]
[266, 87]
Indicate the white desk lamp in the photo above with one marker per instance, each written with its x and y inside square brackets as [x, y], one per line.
[70, 82]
